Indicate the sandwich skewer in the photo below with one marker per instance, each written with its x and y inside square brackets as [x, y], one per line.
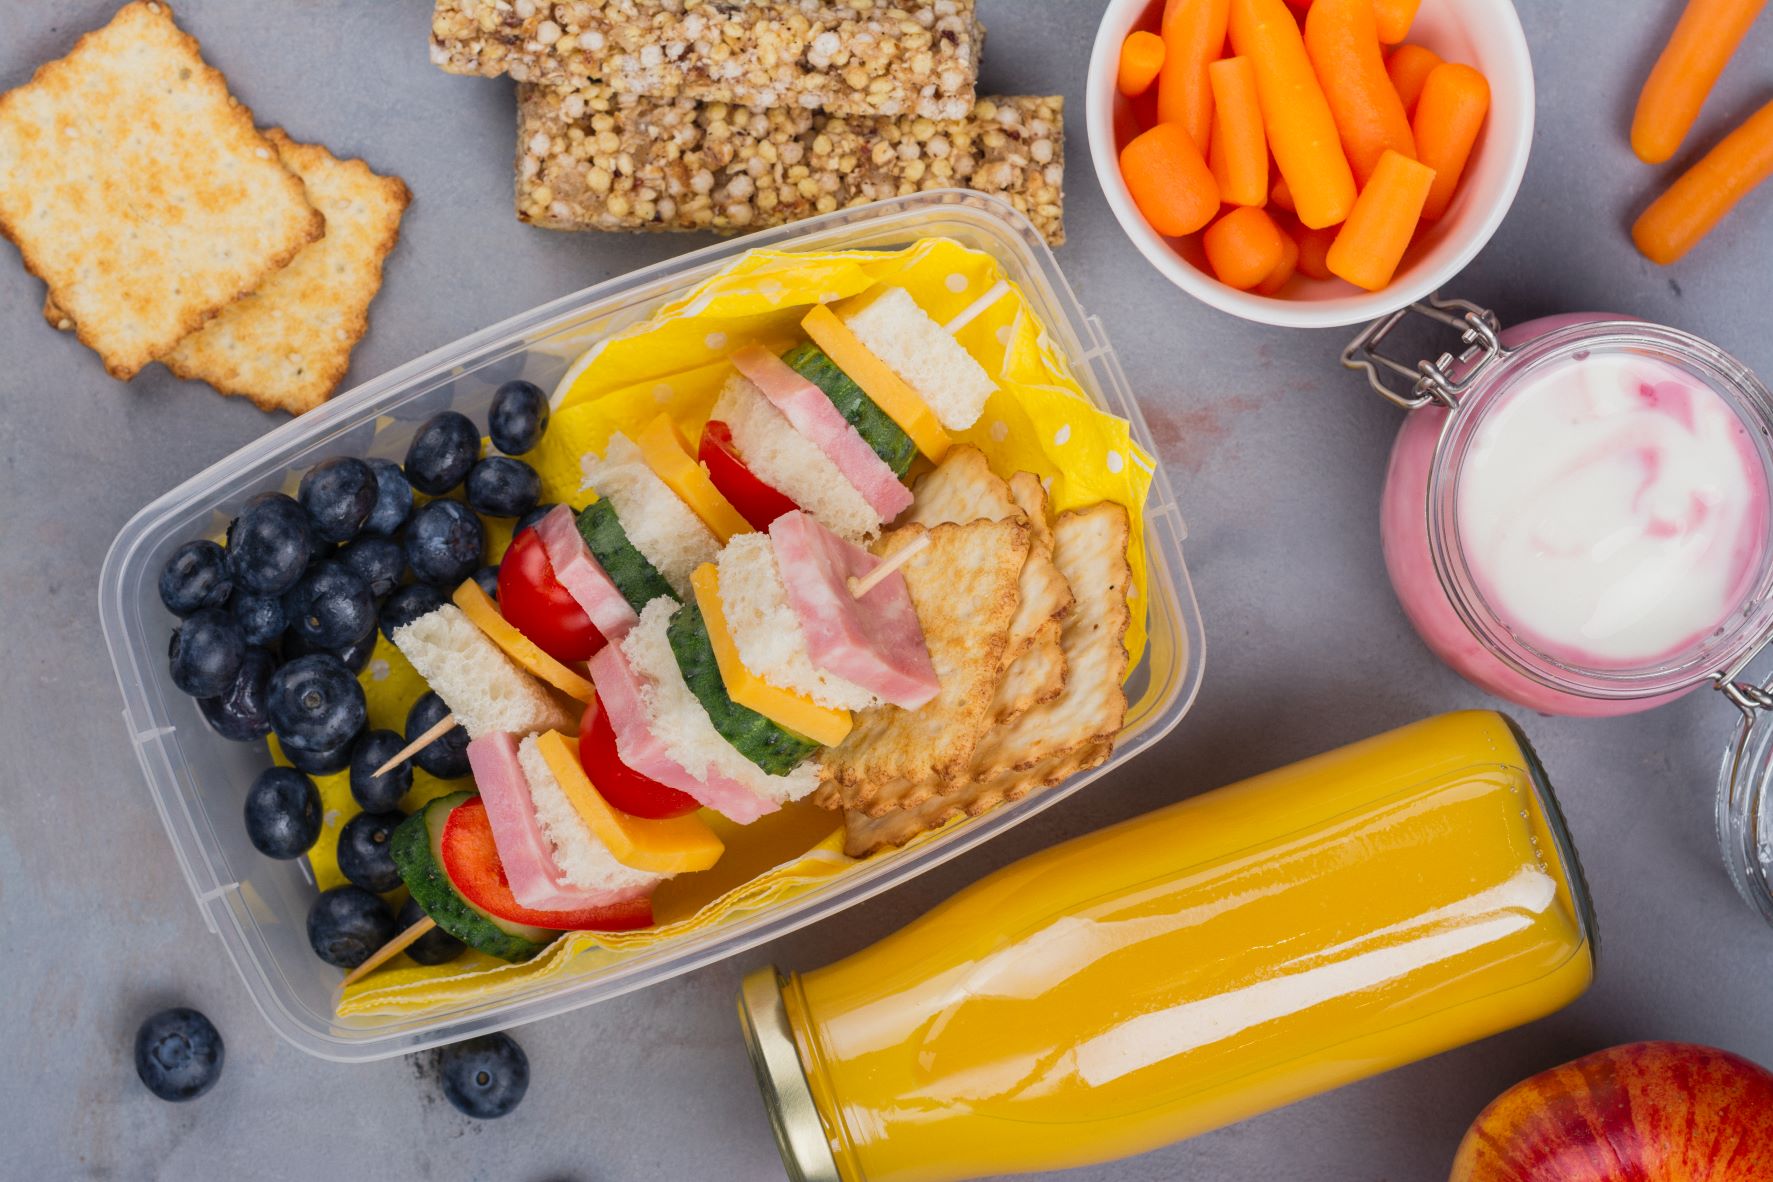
[443, 726]
[390, 950]
[868, 582]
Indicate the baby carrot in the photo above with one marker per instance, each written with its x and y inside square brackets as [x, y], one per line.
[1301, 130]
[1243, 247]
[1691, 206]
[1369, 115]
[1281, 195]
[1141, 57]
[1449, 116]
[1170, 183]
[1372, 241]
[1283, 270]
[1408, 67]
[1704, 38]
[1239, 155]
[1194, 34]
[1314, 247]
[1393, 18]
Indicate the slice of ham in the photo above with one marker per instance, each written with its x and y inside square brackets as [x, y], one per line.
[806, 407]
[524, 850]
[619, 692]
[875, 641]
[584, 578]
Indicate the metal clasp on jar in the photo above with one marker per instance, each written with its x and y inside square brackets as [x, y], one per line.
[1430, 381]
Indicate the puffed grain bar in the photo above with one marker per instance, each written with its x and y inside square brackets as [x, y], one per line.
[590, 160]
[845, 57]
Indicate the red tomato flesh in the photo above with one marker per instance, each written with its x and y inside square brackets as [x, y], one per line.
[621, 785]
[534, 602]
[471, 860]
[756, 501]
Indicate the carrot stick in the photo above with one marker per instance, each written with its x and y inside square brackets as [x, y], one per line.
[1449, 116]
[1369, 115]
[1691, 206]
[1239, 155]
[1409, 66]
[1281, 195]
[1283, 270]
[1141, 57]
[1170, 183]
[1372, 241]
[1194, 34]
[1301, 130]
[1703, 40]
[1243, 247]
[1393, 18]
[1314, 248]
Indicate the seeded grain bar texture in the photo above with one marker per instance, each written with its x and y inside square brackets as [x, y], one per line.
[855, 57]
[588, 159]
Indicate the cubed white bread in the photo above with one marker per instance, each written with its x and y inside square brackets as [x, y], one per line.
[766, 630]
[584, 860]
[790, 463]
[664, 529]
[482, 687]
[920, 351]
[683, 726]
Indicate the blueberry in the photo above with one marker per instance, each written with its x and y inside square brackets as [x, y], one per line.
[435, 946]
[484, 1077]
[488, 578]
[499, 486]
[347, 924]
[195, 577]
[377, 561]
[269, 544]
[445, 543]
[315, 703]
[534, 515]
[206, 652]
[446, 757]
[356, 655]
[282, 813]
[260, 617]
[440, 455]
[338, 494]
[378, 794]
[408, 604]
[365, 851]
[238, 713]
[518, 418]
[330, 607]
[178, 1054]
[393, 499]
[328, 761]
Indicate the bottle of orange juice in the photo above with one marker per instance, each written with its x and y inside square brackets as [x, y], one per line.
[1188, 968]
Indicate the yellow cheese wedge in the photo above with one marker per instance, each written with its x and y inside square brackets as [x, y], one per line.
[676, 845]
[796, 711]
[484, 615]
[668, 454]
[889, 391]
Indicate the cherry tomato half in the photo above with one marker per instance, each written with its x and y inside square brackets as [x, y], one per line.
[535, 603]
[621, 785]
[756, 501]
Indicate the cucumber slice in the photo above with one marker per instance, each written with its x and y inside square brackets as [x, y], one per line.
[873, 424]
[418, 854]
[768, 744]
[637, 579]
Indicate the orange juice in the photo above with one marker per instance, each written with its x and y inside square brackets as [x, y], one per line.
[1189, 968]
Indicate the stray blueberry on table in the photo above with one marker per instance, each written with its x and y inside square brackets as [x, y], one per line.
[445, 757]
[178, 1054]
[365, 851]
[195, 577]
[435, 946]
[347, 924]
[484, 1077]
[206, 651]
[500, 486]
[269, 544]
[379, 794]
[239, 712]
[260, 617]
[518, 417]
[440, 455]
[445, 543]
[379, 562]
[393, 499]
[330, 607]
[282, 813]
[408, 604]
[338, 494]
[315, 703]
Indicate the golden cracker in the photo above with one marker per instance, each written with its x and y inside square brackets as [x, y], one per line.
[1037, 676]
[137, 188]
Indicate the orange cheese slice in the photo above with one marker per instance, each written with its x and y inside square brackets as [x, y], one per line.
[796, 711]
[667, 453]
[889, 391]
[484, 615]
[676, 845]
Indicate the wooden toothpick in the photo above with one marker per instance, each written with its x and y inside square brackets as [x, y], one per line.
[443, 726]
[865, 584]
[389, 951]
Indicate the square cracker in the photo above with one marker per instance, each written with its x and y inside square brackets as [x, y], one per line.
[138, 189]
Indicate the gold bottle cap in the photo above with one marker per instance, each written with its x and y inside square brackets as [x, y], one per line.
[800, 1134]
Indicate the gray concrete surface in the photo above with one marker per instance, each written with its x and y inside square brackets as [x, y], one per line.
[1277, 457]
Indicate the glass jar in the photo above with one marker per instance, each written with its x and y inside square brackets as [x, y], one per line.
[1186, 969]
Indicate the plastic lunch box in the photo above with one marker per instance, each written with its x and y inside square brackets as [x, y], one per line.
[196, 778]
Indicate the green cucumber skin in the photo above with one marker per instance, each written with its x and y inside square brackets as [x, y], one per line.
[422, 870]
[873, 424]
[772, 747]
[637, 579]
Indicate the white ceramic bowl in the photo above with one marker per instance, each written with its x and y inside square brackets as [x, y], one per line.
[1482, 33]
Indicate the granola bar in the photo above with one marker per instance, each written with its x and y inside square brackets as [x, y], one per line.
[588, 159]
[845, 57]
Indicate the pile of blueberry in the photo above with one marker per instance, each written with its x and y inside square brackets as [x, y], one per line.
[276, 624]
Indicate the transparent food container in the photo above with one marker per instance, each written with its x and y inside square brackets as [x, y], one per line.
[259, 906]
